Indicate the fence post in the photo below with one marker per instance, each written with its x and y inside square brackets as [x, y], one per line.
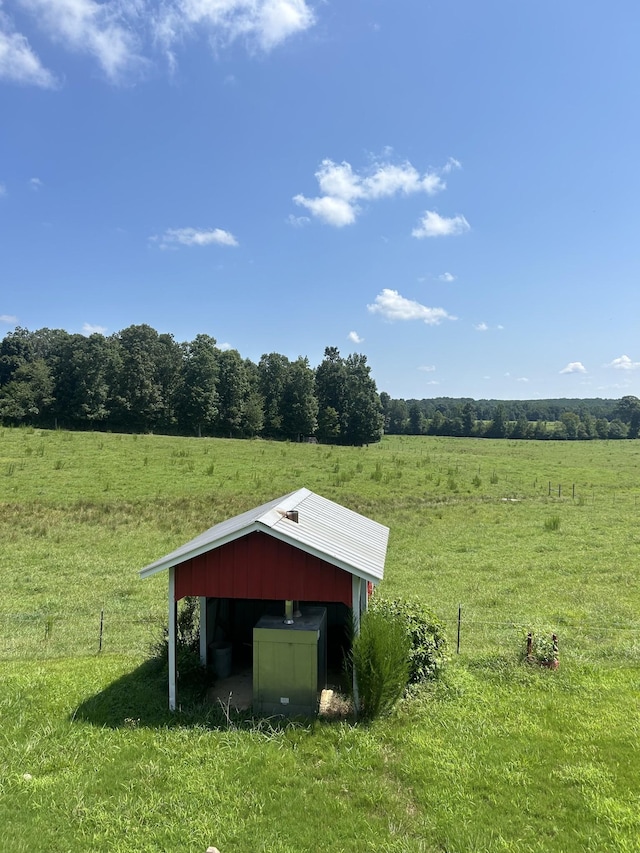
[459, 621]
[101, 624]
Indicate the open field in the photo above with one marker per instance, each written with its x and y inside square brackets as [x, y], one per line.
[497, 756]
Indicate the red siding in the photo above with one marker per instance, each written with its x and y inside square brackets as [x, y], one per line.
[259, 566]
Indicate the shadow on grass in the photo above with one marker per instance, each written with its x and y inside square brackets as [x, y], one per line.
[139, 699]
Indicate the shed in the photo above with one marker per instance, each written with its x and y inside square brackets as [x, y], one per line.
[300, 548]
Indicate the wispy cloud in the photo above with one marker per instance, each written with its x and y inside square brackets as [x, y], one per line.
[451, 164]
[574, 367]
[194, 237]
[225, 346]
[447, 276]
[355, 338]
[434, 225]
[343, 191]
[427, 368]
[624, 363]
[392, 306]
[122, 36]
[481, 327]
[90, 329]
[35, 184]
[298, 221]
[18, 62]
[105, 31]
[3, 190]
[8, 318]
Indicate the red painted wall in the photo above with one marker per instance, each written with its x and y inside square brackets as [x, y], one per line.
[259, 566]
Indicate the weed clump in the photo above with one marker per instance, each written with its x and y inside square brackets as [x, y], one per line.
[380, 659]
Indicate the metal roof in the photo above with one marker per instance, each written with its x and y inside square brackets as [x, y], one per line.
[325, 529]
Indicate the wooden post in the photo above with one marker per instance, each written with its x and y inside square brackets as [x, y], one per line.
[556, 658]
[101, 625]
[459, 622]
[529, 645]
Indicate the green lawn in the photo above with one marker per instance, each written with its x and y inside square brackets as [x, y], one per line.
[496, 756]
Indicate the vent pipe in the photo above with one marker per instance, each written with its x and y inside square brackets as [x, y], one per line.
[288, 612]
[292, 515]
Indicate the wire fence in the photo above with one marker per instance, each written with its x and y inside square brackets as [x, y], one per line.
[41, 635]
[470, 633]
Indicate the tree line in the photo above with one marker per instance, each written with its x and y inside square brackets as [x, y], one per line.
[138, 380]
[561, 419]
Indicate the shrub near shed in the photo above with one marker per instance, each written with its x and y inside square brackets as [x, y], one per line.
[427, 641]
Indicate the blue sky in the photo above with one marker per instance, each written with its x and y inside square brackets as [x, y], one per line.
[449, 187]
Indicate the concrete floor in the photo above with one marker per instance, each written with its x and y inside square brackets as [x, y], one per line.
[236, 692]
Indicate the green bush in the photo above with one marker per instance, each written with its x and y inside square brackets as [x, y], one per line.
[380, 659]
[188, 666]
[427, 641]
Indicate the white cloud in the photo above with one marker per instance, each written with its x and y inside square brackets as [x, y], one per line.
[263, 23]
[391, 305]
[427, 368]
[195, 237]
[18, 62]
[434, 225]
[3, 190]
[355, 338]
[341, 189]
[334, 211]
[624, 363]
[481, 327]
[103, 30]
[447, 276]
[8, 318]
[35, 184]
[225, 346]
[574, 367]
[522, 379]
[90, 329]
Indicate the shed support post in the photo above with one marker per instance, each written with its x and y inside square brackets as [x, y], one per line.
[203, 630]
[356, 605]
[173, 615]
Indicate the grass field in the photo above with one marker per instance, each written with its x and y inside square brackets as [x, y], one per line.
[497, 756]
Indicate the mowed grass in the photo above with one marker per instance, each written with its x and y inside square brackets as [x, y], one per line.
[496, 756]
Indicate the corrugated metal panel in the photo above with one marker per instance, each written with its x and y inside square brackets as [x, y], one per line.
[324, 529]
[259, 566]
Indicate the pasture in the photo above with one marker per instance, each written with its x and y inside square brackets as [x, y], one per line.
[496, 756]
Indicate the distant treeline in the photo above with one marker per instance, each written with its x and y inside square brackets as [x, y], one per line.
[138, 380]
[560, 419]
